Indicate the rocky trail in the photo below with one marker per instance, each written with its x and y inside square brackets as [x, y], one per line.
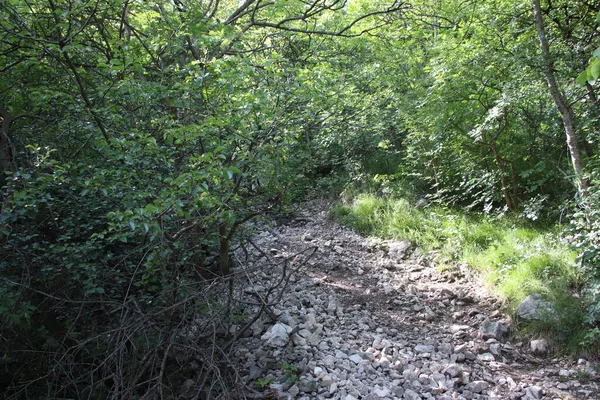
[348, 317]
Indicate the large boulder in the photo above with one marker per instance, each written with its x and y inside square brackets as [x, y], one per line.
[399, 250]
[534, 307]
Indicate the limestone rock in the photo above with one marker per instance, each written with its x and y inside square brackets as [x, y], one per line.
[278, 335]
[398, 250]
[477, 386]
[534, 393]
[539, 347]
[410, 394]
[494, 330]
[534, 307]
[424, 348]
[355, 358]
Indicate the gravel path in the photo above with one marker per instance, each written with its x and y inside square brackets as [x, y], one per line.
[370, 319]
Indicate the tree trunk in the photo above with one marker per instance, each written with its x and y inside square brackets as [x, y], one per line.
[558, 97]
[224, 240]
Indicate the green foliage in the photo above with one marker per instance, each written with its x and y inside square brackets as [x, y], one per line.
[263, 382]
[585, 239]
[291, 372]
[592, 72]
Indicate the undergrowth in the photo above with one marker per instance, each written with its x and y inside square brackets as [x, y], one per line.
[514, 258]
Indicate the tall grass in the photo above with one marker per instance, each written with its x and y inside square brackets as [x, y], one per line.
[514, 259]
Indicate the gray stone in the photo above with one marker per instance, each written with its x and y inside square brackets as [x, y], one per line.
[534, 307]
[255, 372]
[329, 360]
[307, 386]
[409, 374]
[494, 330]
[410, 394]
[486, 357]
[445, 348]
[355, 358]
[539, 347]
[534, 392]
[424, 348]
[495, 349]
[399, 249]
[327, 380]
[382, 392]
[341, 355]
[293, 391]
[453, 370]
[332, 305]
[477, 386]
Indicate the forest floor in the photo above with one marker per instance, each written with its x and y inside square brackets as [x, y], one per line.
[365, 318]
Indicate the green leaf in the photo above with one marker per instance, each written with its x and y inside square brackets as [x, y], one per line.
[596, 52]
[598, 17]
[20, 195]
[595, 69]
[582, 78]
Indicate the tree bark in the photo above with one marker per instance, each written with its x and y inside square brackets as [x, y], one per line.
[562, 105]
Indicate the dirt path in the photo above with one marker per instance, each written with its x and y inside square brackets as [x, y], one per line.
[370, 319]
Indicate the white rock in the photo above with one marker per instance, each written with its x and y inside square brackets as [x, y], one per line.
[458, 328]
[278, 335]
[539, 347]
[486, 357]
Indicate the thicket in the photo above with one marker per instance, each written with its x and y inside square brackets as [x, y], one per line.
[138, 139]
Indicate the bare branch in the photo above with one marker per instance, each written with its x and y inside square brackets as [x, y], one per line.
[281, 25]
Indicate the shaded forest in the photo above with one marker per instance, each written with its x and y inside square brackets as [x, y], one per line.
[141, 141]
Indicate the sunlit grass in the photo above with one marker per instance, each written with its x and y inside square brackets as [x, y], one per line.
[514, 259]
